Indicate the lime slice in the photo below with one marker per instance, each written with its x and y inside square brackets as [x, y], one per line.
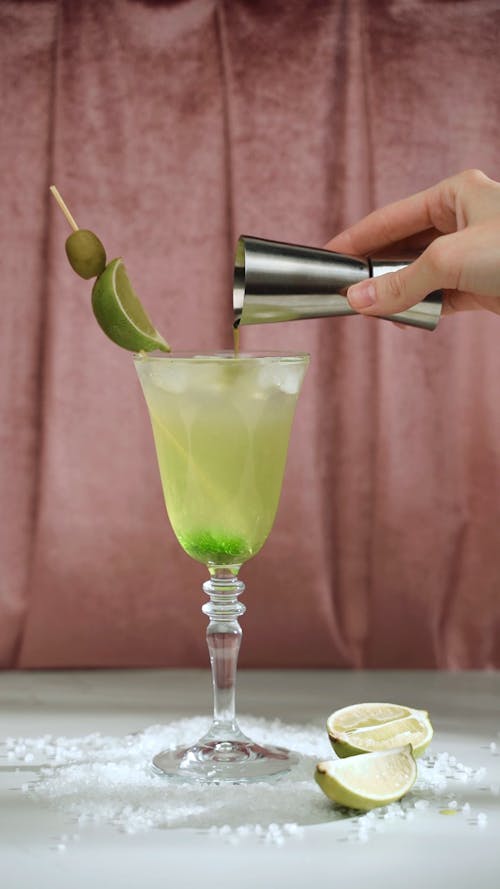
[369, 780]
[363, 728]
[120, 314]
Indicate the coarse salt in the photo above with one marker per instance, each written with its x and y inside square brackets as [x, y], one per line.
[99, 779]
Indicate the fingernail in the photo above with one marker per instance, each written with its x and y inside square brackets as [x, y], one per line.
[362, 295]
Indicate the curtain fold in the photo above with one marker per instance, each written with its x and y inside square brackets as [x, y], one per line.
[170, 128]
[27, 73]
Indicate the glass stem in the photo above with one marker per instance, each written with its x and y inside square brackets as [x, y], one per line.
[224, 640]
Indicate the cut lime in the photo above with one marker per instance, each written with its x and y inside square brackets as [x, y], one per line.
[363, 728]
[369, 780]
[120, 314]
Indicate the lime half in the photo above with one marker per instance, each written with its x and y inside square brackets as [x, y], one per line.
[120, 313]
[369, 780]
[363, 728]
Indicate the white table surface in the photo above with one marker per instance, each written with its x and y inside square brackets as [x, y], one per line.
[429, 851]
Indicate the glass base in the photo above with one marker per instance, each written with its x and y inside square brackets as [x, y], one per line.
[211, 760]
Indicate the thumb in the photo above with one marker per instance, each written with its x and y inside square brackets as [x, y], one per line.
[397, 291]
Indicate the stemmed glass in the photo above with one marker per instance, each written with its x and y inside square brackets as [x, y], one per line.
[221, 426]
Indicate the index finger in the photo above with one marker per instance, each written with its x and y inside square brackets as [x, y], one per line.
[394, 222]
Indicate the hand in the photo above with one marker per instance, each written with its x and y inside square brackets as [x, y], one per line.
[456, 223]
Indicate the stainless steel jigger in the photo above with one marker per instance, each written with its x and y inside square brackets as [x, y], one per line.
[287, 282]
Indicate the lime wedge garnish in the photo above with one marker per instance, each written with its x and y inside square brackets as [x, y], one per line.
[120, 313]
[370, 780]
[362, 728]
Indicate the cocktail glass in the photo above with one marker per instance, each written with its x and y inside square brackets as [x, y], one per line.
[221, 426]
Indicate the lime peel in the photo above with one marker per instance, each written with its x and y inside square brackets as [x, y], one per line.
[369, 780]
[363, 728]
[120, 313]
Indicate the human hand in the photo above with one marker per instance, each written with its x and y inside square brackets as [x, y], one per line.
[456, 223]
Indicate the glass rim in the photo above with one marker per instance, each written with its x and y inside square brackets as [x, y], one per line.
[193, 356]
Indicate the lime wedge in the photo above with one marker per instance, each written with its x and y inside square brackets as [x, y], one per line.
[120, 314]
[363, 728]
[369, 780]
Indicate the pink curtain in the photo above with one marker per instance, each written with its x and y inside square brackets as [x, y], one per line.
[170, 128]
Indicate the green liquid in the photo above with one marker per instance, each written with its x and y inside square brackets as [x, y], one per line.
[215, 549]
[221, 433]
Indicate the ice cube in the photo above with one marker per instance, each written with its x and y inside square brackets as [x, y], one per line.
[267, 377]
[172, 379]
[279, 376]
[290, 382]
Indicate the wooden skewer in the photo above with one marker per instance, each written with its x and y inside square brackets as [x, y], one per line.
[64, 208]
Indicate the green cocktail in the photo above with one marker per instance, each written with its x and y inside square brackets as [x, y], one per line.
[221, 426]
[221, 429]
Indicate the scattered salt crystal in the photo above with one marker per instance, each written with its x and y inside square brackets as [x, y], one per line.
[495, 789]
[103, 779]
[493, 746]
[61, 847]
[482, 819]
[99, 779]
[479, 775]
[421, 804]
[466, 809]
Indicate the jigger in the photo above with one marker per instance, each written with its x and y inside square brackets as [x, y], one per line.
[287, 282]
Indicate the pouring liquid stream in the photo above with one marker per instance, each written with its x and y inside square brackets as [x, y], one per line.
[236, 340]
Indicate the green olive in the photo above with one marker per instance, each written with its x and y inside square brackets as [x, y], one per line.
[86, 253]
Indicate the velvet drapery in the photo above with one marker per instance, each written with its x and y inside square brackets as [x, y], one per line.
[170, 128]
